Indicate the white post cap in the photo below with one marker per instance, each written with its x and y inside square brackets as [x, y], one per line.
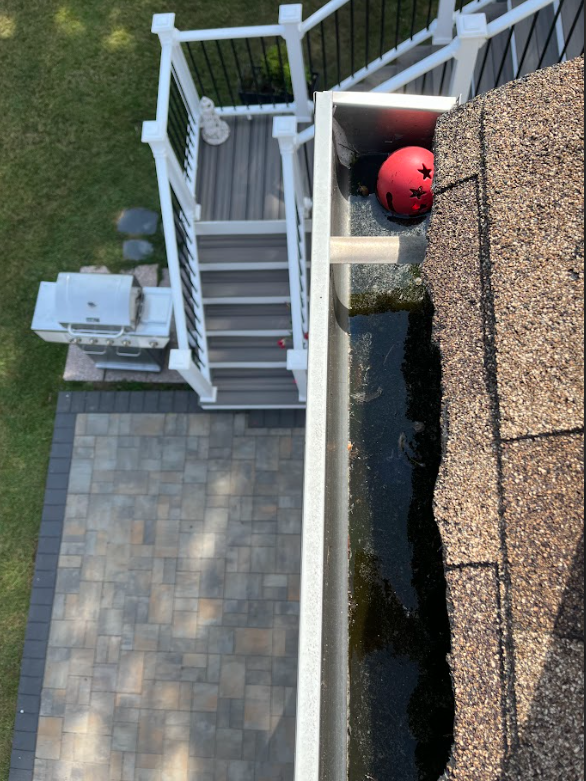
[472, 26]
[297, 360]
[291, 14]
[284, 127]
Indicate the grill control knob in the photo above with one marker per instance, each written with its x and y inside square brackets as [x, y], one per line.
[94, 341]
[110, 342]
[126, 343]
[154, 344]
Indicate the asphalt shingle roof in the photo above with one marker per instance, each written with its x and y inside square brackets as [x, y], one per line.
[506, 269]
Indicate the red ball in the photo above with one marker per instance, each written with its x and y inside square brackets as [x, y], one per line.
[405, 180]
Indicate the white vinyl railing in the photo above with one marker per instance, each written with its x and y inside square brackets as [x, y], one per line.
[473, 33]
[297, 207]
[179, 209]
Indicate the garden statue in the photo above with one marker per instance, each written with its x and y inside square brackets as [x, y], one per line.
[214, 130]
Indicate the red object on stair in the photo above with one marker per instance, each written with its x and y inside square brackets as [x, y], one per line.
[405, 180]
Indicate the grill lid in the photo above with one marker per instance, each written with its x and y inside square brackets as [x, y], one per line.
[96, 302]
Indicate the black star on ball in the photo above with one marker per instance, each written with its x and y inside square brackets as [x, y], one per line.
[419, 193]
[425, 171]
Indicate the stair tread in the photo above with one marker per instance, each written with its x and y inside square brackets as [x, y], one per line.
[242, 254]
[229, 350]
[253, 400]
[235, 288]
[255, 322]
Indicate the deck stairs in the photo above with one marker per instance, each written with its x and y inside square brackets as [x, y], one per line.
[245, 278]
[237, 216]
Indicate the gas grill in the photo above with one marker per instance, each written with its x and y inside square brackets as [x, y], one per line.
[115, 321]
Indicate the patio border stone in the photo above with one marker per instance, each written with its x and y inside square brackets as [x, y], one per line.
[69, 405]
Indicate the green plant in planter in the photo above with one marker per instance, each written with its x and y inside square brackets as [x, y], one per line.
[278, 71]
[272, 75]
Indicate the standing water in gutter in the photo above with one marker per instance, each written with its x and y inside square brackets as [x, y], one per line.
[401, 700]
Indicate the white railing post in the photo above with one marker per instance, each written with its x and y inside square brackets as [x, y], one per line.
[291, 18]
[285, 131]
[169, 35]
[182, 359]
[472, 34]
[444, 32]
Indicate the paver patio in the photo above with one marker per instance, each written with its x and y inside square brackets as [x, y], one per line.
[172, 653]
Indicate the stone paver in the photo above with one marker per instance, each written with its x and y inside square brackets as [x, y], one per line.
[172, 653]
[138, 222]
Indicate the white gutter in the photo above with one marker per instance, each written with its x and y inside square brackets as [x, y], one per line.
[307, 762]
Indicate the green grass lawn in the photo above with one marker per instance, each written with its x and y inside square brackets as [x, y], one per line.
[77, 78]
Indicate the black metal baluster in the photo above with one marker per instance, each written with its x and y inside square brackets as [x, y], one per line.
[484, 64]
[182, 118]
[179, 94]
[324, 56]
[527, 45]
[382, 27]
[309, 52]
[413, 18]
[550, 35]
[429, 13]
[253, 70]
[175, 133]
[505, 55]
[398, 29]
[461, 4]
[196, 72]
[443, 81]
[352, 39]
[176, 145]
[338, 53]
[225, 71]
[571, 33]
[308, 167]
[238, 68]
[178, 105]
[282, 63]
[367, 32]
[175, 123]
[268, 72]
[211, 72]
[177, 137]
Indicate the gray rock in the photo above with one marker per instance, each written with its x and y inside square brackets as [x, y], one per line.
[138, 222]
[137, 249]
[146, 275]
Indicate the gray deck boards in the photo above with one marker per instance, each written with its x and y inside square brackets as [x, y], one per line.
[243, 178]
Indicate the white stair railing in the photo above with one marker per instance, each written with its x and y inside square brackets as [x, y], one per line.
[297, 206]
[174, 140]
[473, 32]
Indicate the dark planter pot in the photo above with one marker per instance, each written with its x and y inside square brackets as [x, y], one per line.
[264, 97]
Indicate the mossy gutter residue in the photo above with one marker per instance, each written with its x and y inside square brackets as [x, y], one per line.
[401, 699]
